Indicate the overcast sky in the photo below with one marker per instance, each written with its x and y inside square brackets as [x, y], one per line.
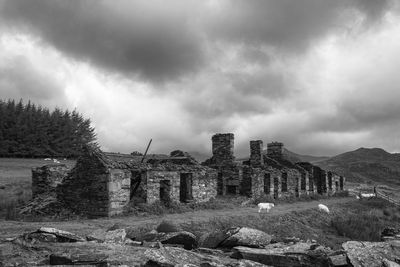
[322, 76]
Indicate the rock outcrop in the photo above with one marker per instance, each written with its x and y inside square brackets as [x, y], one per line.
[50, 246]
[283, 255]
[372, 254]
[246, 237]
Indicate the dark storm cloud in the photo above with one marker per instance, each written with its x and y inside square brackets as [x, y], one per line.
[290, 25]
[123, 36]
[162, 41]
[200, 67]
[19, 78]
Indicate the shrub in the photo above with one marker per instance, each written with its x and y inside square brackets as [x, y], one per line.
[361, 226]
[167, 227]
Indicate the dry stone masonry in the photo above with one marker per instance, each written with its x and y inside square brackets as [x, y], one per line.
[45, 179]
[103, 184]
[267, 173]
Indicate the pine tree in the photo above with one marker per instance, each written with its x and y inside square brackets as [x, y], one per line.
[33, 131]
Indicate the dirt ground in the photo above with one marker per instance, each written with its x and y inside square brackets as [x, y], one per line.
[83, 227]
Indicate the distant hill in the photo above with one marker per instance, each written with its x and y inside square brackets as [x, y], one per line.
[368, 165]
[294, 157]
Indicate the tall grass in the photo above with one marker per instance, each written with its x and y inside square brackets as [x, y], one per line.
[366, 220]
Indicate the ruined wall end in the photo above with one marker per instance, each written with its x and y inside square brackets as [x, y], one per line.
[119, 189]
[45, 179]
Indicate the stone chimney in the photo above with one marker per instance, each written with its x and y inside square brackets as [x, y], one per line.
[222, 148]
[256, 153]
[275, 150]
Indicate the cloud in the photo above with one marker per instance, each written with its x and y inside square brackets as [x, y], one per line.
[321, 76]
[162, 42]
[19, 78]
[128, 37]
[291, 26]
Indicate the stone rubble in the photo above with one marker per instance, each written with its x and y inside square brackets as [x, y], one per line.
[50, 246]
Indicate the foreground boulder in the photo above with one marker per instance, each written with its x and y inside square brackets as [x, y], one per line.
[109, 254]
[186, 239]
[170, 256]
[283, 255]
[246, 237]
[372, 253]
[213, 239]
[47, 234]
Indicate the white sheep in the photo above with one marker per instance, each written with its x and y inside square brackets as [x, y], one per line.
[265, 206]
[367, 195]
[47, 159]
[324, 208]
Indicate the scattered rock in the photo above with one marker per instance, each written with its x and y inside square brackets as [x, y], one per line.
[372, 253]
[62, 236]
[388, 263]
[213, 239]
[148, 237]
[338, 260]
[114, 236]
[390, 233]
[41, 237]
[247, 237]
[283, 255]
[188, 240]
[170, 256]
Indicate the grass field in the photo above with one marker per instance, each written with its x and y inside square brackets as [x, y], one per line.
[16, 179]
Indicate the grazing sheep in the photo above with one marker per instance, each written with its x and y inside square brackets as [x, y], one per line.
[265, 206]
[367, 195]
[47, 159]
[357, 197]
[324, 208]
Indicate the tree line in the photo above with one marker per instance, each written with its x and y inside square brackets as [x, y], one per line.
[29, 130]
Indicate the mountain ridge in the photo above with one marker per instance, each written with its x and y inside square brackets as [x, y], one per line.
[367, 165]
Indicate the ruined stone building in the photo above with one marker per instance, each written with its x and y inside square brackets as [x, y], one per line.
[103, 184]
[269, 174]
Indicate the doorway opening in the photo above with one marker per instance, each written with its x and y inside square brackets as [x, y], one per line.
[186, 185]
[165, 191]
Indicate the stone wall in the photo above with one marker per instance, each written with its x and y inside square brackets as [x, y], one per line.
[119, 189]
[312, 178]
[45, 179]
[85, 189]
[203, 187]
[222, 148]
[256, 153]
[229, 179]
[153, 185]
[293, 182]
